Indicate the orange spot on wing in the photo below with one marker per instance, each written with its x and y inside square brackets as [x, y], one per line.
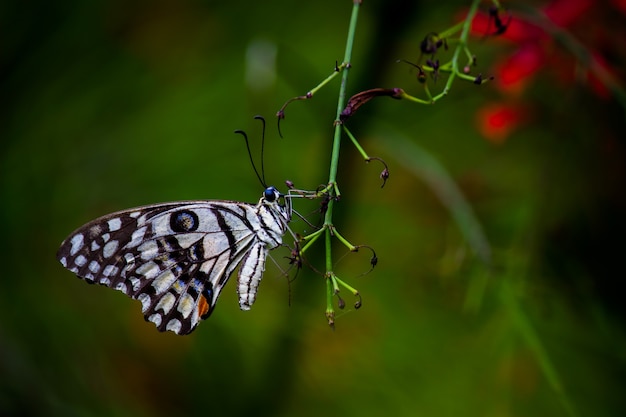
[203, 306]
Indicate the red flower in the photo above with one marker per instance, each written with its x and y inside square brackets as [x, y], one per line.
[565, 12]
[517, 70]
[535, 53]
[496, 121]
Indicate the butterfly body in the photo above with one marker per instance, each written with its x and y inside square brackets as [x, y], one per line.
[176, 257]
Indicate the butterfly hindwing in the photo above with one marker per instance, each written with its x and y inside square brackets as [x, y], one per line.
[176, 257]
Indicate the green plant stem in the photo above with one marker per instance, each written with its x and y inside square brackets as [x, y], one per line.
[341, 101]
[334, 163]
[467, 24]
[343, 240]
[451, 31]
[329, 259]
[452, 67]
[328, 79]
[356, 144]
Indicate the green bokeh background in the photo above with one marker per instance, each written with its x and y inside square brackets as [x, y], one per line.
[109, 105]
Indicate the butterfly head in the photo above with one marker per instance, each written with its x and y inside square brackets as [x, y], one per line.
[272, 198]
[271, 194]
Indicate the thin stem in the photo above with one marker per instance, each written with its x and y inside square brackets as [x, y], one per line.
[329, 260]
[328, 79]
[334, 163]
[341, 101]
[451, 67]
[467, 24]
[311, 239]
[343, 240]
[451, 31]
[356, 143]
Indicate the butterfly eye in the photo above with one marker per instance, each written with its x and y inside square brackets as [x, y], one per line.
[271, 194]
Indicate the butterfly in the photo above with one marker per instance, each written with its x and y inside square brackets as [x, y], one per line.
[175, 258]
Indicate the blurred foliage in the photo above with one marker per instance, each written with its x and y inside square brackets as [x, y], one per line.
[108, 105]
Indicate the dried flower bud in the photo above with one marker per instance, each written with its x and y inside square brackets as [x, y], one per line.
[384, 175]
[374, 261]
[430, 44]
[363, 97]
[501, 26]
[341, 304]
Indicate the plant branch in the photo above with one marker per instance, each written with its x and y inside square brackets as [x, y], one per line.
[334, 161]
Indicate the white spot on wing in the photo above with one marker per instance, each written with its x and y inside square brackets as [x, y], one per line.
[149, 270]
[94, 267]
[77, 243]
[156, 319]
[166, 303]
[194, 319]
[80, 260]
[122, 287]
[145, 302]
[115, 224]
[129, 258]
[63, 261]
[186, 305]
[110, 248]
[105, 281]
[137, 237]
[148, 249]
[163, 282]
[110, 270]
[135, 283]
[174, 325]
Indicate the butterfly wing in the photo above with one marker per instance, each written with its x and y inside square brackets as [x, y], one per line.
[174, 257]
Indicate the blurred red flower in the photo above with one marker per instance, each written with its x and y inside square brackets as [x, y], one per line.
[536, 52]
[496, 121]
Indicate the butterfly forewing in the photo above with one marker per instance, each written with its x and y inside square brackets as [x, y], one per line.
[176, 257]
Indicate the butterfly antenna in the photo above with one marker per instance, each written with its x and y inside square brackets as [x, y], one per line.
[256, 171]
[262, 119]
